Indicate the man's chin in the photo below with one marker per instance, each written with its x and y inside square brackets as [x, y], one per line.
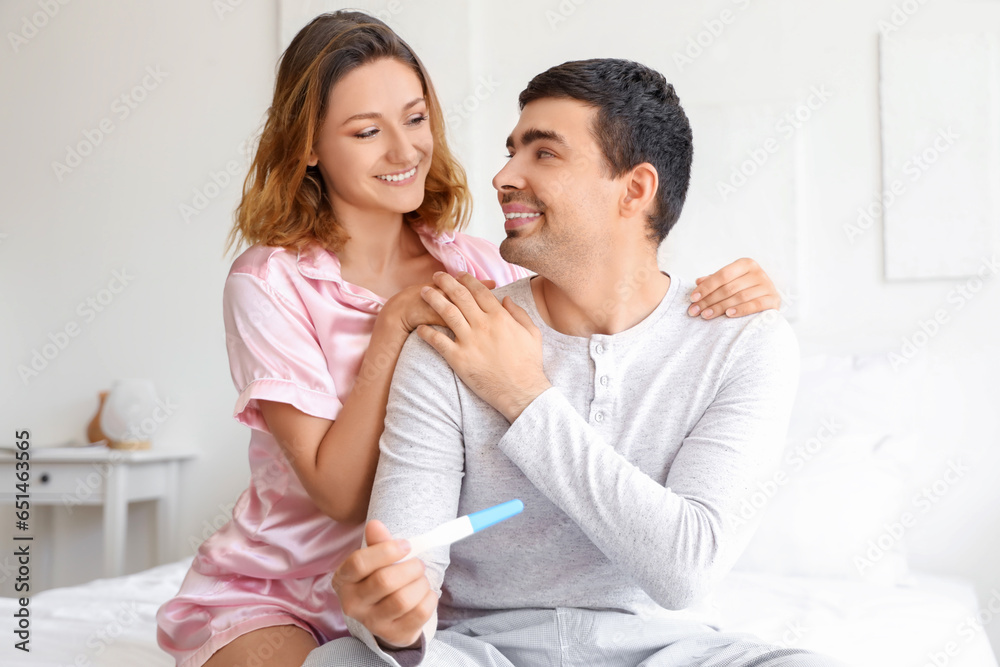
[511, 250]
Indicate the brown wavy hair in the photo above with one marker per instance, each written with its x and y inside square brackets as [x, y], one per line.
[284, 200]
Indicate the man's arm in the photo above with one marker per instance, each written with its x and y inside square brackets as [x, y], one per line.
[672, 539]
[420, 470]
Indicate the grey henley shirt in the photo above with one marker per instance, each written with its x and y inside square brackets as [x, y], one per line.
[628, 466]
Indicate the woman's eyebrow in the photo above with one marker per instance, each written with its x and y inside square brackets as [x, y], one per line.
[376, 114]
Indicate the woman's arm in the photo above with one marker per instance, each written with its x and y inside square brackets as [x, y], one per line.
[336, 460]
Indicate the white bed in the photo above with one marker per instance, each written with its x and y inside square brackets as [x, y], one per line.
[798, 583]
[111, 622]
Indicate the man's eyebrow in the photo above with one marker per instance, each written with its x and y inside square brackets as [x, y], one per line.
[533, 134]
[375, 114]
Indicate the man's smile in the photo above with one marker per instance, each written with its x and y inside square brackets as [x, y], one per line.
[518, 215]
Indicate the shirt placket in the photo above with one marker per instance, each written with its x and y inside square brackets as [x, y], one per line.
[600, 407]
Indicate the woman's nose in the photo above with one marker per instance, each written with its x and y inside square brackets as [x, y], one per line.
[402, 150]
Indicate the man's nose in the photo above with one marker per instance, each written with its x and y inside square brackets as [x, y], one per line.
[508, 178]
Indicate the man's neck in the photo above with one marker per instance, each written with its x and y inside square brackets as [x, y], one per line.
[607, 300]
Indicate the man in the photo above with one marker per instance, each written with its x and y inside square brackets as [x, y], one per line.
[629, 430]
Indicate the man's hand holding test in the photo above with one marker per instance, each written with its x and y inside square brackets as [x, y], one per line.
[392, 599]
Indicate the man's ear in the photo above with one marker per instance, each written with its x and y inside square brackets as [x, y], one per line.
[640, 190]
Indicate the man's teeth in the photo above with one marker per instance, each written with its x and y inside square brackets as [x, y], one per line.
[399, 177]
[511, 216]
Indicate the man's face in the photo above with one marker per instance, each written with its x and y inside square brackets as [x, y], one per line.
[557, 201]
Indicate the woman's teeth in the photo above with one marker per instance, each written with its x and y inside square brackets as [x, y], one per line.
[399, 177]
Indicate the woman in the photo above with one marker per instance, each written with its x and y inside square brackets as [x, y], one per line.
[353, 202]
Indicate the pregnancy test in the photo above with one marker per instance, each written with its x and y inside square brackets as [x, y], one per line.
[460, 528]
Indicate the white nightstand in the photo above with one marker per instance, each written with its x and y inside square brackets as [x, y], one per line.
[112, 478]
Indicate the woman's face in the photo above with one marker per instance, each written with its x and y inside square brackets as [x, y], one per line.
[375, 144]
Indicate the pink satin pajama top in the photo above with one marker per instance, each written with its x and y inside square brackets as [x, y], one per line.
[296, 332]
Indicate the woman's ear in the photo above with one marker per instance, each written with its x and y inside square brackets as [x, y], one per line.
[640, 190]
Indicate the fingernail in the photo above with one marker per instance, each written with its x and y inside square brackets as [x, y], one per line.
[438, 273]
[463, 273]
[693, 310]
[404, 545]
[425, 289]
[696, 297]
[707, 313]
[730, 312]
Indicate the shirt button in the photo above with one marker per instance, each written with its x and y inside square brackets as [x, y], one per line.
[604, 380]
[599, 349]
[599, 417]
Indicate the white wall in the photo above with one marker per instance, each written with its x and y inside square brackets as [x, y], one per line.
[119, 209]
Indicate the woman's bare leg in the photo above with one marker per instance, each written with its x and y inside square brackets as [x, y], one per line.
[276, 646]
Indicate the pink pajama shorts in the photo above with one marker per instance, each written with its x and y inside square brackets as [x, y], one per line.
[211, 611]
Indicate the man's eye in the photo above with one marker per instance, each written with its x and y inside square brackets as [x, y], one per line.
[544, 152]
[509, 155]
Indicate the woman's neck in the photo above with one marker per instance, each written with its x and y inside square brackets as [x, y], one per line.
[378, 243]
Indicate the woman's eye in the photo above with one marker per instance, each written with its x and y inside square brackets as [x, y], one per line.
[417, 120]
[367, 133]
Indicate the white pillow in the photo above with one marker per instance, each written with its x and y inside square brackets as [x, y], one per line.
[862, 394]
[834, 508]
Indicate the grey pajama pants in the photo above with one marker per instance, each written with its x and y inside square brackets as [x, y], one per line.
[566, 637]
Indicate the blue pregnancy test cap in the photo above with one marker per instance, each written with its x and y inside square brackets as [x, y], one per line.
[487, 517]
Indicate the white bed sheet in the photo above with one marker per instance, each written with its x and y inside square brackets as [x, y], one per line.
[111, 622]
[863, 624]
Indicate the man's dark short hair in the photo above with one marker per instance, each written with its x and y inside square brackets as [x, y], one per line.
[639, 119]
